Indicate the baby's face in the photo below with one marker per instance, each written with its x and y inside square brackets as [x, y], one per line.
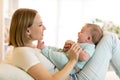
[83, 35]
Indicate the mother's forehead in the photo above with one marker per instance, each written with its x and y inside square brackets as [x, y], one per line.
[37, 19]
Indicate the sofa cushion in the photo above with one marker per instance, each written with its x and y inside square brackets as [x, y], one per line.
[10, 72]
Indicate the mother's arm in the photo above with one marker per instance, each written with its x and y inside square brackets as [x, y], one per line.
[38, 72]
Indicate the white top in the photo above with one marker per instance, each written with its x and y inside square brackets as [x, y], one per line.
[26, 57]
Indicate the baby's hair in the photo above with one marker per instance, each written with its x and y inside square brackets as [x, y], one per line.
[96, 32]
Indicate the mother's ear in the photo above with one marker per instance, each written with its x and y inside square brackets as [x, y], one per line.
[28, 31]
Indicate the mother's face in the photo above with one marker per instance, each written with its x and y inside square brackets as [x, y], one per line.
[37, 28]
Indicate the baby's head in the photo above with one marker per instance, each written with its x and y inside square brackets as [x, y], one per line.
[90, 33]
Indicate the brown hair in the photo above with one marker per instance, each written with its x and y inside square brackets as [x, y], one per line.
[95, 31]
[21, 20]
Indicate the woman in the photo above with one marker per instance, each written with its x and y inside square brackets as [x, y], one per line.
[26, 26]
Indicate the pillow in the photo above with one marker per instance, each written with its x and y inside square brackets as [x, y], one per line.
[10, 72]
[97, 66]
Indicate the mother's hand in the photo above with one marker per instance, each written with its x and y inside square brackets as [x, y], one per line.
[74, 52]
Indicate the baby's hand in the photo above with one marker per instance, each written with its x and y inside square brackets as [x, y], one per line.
[68, 45]
[40, 44]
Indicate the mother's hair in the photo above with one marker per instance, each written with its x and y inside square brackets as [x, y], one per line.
[21, 20]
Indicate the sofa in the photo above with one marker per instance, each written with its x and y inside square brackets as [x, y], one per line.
[10, 72]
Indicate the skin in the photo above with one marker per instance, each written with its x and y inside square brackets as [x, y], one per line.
[38, 72]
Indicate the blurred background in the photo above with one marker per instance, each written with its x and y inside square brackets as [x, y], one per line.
[63, 19]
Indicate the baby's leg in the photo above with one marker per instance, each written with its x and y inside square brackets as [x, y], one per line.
[97, 66]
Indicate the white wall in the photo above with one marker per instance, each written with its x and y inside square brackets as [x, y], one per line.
[107, 10]
[70, 20]
[64, 18]
[1, 30]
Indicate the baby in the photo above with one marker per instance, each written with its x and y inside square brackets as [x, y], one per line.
[88, 37]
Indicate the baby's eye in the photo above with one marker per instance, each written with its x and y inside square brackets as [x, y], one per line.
[40, 25]
[82, 31]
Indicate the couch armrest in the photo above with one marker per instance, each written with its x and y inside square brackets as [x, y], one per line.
[10, 72]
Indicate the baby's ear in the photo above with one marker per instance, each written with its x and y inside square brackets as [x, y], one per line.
[89, 38]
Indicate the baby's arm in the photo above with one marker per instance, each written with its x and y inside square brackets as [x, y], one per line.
[89, 49]
[59, 59]
[84, 56]
[55, 55]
